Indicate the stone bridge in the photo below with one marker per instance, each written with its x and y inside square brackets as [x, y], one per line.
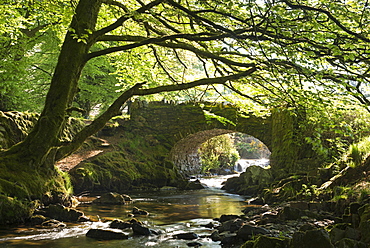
[184, 127]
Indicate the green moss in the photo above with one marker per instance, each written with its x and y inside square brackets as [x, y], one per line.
[267, 242]
[13, 210]
[138, 161]
[12, 189]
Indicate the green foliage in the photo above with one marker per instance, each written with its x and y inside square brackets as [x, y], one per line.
[250, 147]
[331, 131]
[218, 152]
[30, 39]
[358, 152]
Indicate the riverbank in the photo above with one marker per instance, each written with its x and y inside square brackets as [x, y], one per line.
[209, 217]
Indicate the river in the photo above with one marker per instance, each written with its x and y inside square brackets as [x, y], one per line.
[171, 212]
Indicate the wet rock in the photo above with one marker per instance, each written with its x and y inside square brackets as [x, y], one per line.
[313, 238]
[256, 201]
[137, 211]
[247, 231]
[140, 230]
[226, 217]
[61, 213]
[209, 225]
[186, 236]
[251, 210]
[231, 225]
[215, 236]
[194, 185]
[36, 220]
[53, 223]
[105, 234]
[350, 243]
[127, 198]
[83, 218]
[120, 224]
[110, 199]
[194, 244]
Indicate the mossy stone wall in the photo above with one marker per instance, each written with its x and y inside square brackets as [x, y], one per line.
[182, 128]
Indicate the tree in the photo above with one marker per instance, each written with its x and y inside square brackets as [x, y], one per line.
[273, 53]
[37, 153]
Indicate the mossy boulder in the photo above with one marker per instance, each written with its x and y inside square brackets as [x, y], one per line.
[110, 199]
[61, 213]
[249, 182]
[350, 243]
[364, 227]
[13, 210]
[267, 242]
[133, 164]
[318, 238]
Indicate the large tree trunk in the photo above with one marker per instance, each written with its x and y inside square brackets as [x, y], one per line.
[27, 169]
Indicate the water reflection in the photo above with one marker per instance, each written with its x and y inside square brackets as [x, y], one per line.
[170, 211]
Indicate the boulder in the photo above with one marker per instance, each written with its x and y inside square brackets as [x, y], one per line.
[110, 199]
[140, 230]
[247, 231]
[350, 243]
[215, 236]
[53, 223]
[186, 236]
[194, 244]
[127, 198]
[364, 226]
[137, 211]
[105, 234]
[231, 225]
[62, 213]
[318, 238]
[120, 224]
[352, 233]
[256, 175]
[290, 213]
[36, 220]
[194, 185]
[230, 240]
[267, 242]
[226, 217]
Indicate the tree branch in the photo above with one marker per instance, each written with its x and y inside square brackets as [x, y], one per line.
[330, 16]
[204, 81]
[97, 124]
[136, 90]
[124, 18]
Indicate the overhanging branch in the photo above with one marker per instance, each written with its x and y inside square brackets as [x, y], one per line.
[204, 81]
[136, 90]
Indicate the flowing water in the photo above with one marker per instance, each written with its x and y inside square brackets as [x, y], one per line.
[171, 212]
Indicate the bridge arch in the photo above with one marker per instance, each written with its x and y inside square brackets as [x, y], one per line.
[177, 124]
[185, 153]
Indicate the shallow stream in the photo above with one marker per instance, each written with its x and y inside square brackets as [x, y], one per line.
[171, 212]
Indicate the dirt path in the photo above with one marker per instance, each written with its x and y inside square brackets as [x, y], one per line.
[71, 161]
[107, 144]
